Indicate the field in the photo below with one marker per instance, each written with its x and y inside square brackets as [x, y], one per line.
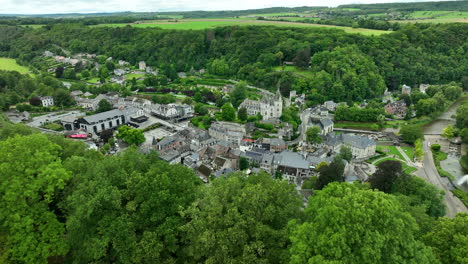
[296, 70]
[11, 65]
[392, 150]
[436, 17]
[198, 24]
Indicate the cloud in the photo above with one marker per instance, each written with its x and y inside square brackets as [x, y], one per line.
[94, 6]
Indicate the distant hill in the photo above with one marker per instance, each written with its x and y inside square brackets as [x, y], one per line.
[417, 6]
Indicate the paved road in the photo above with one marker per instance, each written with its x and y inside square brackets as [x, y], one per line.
[429, 173]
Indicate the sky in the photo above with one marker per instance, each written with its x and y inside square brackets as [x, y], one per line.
[95, 6]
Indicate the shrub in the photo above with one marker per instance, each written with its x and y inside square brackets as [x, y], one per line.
[435, 147]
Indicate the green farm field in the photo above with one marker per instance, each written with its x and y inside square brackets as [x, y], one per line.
[296, 70]
[7, 64]
[199, 24]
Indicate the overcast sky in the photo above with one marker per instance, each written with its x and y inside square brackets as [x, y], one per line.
[93, 6]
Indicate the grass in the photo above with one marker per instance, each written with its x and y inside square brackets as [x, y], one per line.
[438, 157]
[391, 150]
[11, 65]
[405, 167]
[133, 75]
[199, 24]
[462, 195]
[297, 71]
[32, 26]
[357, 125]
[409, 152]
[439, 14]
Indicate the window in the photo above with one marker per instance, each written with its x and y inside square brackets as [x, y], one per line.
[110, 124]
[118, 122]
[103, 126]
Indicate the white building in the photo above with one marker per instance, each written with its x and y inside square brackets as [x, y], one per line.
[270, 107]
[142, 65]
[362, 147]
[47, 101]
[106, 120]
[226, 131]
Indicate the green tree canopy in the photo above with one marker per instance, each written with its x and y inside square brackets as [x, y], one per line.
[228, 112]
[313, 135]
[132, 136]
[348, 223]
[411, 133]
[31, 179]
[242, 219]
[126, 208]
[104, 106]
[449, 239]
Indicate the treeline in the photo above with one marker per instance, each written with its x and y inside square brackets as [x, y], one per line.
[413, 55]
[62, 203]
[424, 6]
[344, 113]
[17, 88]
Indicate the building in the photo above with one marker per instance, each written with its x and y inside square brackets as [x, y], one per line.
[292, 165]
[330, 105]
[171, 111]
[405, 89]
[103, 121]
[362, 147]
[142, 65]
[47, 101]
[230, 132]
[270, 107]
[423, 87]
[397, 108]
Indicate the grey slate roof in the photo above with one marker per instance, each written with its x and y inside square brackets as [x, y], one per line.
[291, 159]
[103, 116]
[352, 140]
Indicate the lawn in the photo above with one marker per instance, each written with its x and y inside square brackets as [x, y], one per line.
[130, 76]
[391, 150]
[199, 24]
[409, 152]
[304, 73]
[357, 125]
[32, 26]
[11, 65]
[404, 166]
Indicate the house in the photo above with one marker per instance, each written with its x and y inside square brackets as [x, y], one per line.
[325, 125]
[270, 107]
[272, 144]
[47, 101]
[266, 163]
[76, 93]
[172, 157]
[171, 111]
[123, 63]
[168, 143]
[423, 87]
[142, 65]
[292, 165]
[397, 108]
[330, 105]
[405, 89]
[362, 147]
[103, 121]
[119, 72]
[230, 132]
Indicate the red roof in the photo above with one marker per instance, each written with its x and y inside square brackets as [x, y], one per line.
[248, 140]
[78, 136]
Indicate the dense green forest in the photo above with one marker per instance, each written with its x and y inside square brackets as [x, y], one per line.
[345, 67]
[61, 203]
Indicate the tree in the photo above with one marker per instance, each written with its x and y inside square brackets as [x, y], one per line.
[126, 208]
[239, 94]
[240, 219]
[346, 153]
[448, 132]
[420, 193]
[313, 135]
[132, 136]
[228, 112]
[242, 114]
[69, 74]
[201, 109]
[187, 100]
[386, 174]
[330, 173]
[35, 101]
[31, 180]
[448, 239]
[85, 74]
[62, 97]
[243, 163]
[59, 72]
[198, 97]
[110, 66]
[410, 133]
[347, 223]
[104, 106]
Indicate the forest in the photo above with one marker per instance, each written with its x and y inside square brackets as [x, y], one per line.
[62, 203]
[415, 54]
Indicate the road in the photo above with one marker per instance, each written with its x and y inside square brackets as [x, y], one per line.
[428, 170]
[429, 173]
